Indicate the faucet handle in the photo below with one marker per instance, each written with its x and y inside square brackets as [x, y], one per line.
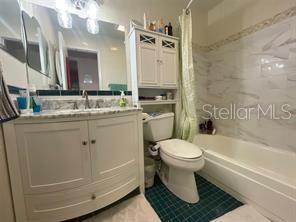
[84, 94]
[75, 105]
[97, 104]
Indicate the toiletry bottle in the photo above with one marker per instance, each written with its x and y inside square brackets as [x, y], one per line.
[32, 94]
[145, 21]
[22, 100]
[151, 26]
[209, 126]
[170, 29]
[160, 26]
[122, 100]
[154, 26]
[166, 29]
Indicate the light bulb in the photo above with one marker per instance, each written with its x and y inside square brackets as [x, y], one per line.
[92, 26]
[65, 20]
[92, 10]
[121, 28]
[62, 5]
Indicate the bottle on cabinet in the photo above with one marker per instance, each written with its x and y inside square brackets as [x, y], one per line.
[145, 21]
[168, 29]
[152, 26]
[160, 26]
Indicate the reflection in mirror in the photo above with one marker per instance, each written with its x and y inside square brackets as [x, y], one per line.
[83, 67]
[37, 46]
[41, 42]
[104, 54]
[84, 56]
[12, 53]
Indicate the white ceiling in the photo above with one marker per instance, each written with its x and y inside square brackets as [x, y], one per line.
[205, 4]
[197, 4]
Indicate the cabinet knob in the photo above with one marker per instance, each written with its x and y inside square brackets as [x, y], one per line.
[93, 141]
[93, 197]
[84, 143]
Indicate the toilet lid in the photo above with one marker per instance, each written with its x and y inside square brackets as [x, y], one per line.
[180, 148]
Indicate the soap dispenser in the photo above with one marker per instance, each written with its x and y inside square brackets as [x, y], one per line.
[122, 100]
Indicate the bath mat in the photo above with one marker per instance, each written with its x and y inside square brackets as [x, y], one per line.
[135, 209]
[245, 213]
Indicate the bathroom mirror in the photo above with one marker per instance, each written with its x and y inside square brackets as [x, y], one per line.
[37, 45]
[12, 53]
[78, 57]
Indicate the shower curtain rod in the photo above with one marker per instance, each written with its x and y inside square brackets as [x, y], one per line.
[187, 7]
[189, 3]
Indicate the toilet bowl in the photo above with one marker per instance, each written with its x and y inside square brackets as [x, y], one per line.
[180, 159]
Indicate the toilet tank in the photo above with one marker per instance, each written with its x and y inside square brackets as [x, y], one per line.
[159, 127]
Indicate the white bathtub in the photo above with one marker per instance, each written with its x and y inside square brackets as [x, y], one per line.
[259, 175]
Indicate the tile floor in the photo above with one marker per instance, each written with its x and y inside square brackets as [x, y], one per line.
[213, 203]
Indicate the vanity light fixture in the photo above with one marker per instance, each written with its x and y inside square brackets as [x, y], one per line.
[279, 65]
[65, 20]
[120, 28]
[62, 5]
[64, 17]
[88, 9]
[92, 26]
[114, 49]
[92, 9]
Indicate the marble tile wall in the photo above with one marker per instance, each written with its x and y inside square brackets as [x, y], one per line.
[259, 68]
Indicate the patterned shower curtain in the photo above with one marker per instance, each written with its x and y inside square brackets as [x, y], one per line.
[7, 109]
[186, 118]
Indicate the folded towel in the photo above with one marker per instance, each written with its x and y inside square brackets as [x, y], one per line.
[8, 110]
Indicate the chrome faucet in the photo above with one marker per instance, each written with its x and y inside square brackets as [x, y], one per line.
[85, 95]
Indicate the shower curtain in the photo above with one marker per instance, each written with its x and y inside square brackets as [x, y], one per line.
[186, 118]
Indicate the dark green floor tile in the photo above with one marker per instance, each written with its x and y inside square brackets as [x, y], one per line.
[213, 203]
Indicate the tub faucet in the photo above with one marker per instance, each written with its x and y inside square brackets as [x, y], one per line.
[85, 95]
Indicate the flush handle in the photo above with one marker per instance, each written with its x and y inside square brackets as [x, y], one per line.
[93, 197]
[93, 141]
[84, 143]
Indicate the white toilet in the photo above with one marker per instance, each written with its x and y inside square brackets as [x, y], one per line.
[180, 159]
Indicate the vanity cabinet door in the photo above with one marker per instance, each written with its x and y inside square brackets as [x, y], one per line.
[53, 156]
[114, 146]
[148, 61]
[168, 62]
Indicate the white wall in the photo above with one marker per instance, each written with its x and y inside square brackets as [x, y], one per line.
[10, 27]
[119, 11]
[14, 71]
[231, 16]
[10, 21]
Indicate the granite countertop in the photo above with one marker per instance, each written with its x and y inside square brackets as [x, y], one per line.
[52, 114]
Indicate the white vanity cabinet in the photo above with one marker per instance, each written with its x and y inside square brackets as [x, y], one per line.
[53, 156]
[156, 59]
[64, 168]
[114, 146]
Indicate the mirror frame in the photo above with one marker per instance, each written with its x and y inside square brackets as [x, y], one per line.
[26, 48]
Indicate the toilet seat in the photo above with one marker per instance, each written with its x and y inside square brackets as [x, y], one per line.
[180, 149]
